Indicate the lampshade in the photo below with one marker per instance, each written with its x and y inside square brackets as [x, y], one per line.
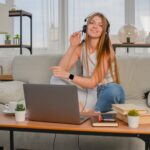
[4, 19]
[128, 34]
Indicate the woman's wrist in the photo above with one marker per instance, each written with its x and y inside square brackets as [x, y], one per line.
[72, 47]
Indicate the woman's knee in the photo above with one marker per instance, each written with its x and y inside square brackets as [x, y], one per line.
[111, 94]
[116, 94]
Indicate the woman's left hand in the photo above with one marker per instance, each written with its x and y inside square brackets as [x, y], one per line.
[59, 72]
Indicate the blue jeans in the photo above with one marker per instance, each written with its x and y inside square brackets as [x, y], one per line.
[108, 94]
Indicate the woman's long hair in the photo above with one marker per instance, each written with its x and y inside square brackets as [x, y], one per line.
[104, 48]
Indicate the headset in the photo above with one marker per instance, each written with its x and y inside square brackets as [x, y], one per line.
[89, 16]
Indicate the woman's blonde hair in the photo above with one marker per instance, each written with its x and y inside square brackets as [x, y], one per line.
[104, 48]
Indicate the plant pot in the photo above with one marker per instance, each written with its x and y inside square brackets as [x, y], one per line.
[7, 42]
[16, 41]
[20, 116]
[133, 121]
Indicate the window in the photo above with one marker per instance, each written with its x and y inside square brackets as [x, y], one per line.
[45, 22]
[2, 1]
[142, 21]
[142, 15]
[79, 9]
[54, 18]
[45, 18]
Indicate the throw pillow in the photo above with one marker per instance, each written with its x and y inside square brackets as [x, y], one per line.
[11, 91]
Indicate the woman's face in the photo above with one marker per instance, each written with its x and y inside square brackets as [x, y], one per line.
[95, 27]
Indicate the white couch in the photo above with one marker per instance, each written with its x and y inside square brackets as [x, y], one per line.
[135, 78]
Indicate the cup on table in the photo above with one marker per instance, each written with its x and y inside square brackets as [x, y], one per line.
[11, 106]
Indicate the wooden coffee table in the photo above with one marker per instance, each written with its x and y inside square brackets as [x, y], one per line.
[8, 122]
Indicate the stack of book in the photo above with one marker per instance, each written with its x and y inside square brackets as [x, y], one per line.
[122, 111]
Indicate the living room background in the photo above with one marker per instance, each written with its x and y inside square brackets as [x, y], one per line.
[51, 29]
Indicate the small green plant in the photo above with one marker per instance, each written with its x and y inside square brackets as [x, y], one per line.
[17, 36]
[20, 107]
[133, 112]
[7, 37]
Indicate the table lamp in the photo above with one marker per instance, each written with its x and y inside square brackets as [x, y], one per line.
[128, 34]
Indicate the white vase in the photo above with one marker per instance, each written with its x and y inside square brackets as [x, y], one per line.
[133, 121]
[20, 116]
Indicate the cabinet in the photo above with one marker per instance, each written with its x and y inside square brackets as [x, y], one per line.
[131, 46]
[21, 14]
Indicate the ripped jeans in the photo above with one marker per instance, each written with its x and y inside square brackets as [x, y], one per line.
[108, 94]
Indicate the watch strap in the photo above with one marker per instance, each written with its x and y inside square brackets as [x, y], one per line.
[71, 76]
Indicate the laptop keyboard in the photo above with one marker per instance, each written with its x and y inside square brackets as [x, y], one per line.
[83, 118]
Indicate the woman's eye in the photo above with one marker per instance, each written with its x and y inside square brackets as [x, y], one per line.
[91, 22]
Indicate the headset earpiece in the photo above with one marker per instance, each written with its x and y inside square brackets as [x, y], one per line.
[85, 26]
[108, 26]
[84, 29]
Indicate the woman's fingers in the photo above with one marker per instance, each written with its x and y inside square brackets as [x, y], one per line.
[76, 34]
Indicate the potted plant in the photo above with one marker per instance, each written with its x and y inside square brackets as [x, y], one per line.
[133, 118]
[20, 112]
[7, 39]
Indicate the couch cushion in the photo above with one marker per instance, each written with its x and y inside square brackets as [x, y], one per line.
[35, 68]
[11, 91]
[139, 102]
[135, 75]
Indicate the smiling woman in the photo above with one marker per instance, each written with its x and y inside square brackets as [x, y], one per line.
[100, 74]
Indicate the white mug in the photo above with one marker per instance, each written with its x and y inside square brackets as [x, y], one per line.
[11, 106]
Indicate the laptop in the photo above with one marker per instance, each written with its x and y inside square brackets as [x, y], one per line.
[53, 103]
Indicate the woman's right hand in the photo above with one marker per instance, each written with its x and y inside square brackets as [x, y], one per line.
[75, 39]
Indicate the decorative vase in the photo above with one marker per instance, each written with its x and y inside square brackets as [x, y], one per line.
[133, 121]
[16, 41]
[20, 116]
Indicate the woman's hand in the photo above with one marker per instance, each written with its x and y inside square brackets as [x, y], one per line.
[75, 39]
[59, 72]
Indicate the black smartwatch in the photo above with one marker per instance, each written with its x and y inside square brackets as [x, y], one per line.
[71, 76]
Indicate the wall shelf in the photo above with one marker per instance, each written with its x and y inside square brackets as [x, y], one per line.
[20, 14]
[130, 45]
